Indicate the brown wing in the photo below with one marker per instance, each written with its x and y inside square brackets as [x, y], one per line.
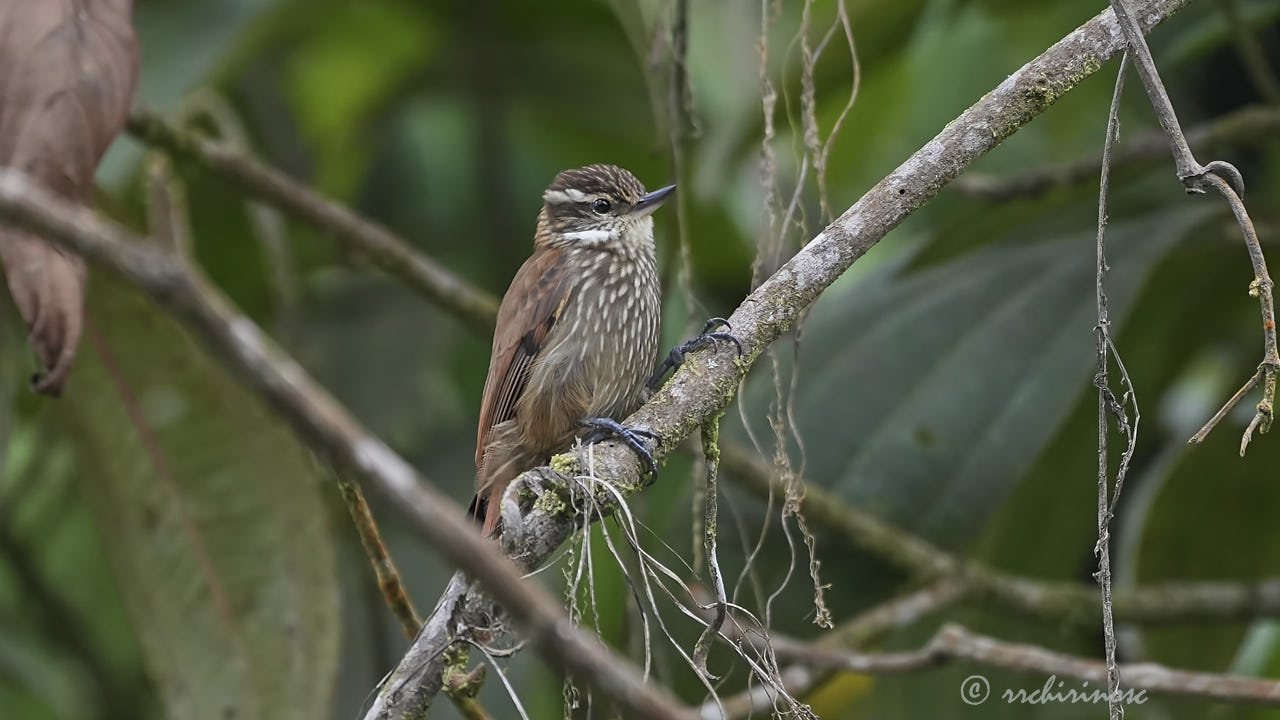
[533, 303]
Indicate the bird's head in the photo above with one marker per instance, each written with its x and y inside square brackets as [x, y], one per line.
[599, 206]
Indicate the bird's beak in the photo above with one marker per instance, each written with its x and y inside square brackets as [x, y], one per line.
[652, 201]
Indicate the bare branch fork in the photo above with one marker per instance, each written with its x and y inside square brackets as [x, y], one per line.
[1227, 181]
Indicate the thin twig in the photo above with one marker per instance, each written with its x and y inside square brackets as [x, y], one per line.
[382, 247]
[384, 570]
[1261, 287]
[680, 128]
[1107, 404]
[167, 215]
[783, 417]
[1226, 179]
[820, 161]
[506, 682]
[710, 526]
[751, 551]
[810, 134]
[1227, 407]
[767, 236]
[698, 559]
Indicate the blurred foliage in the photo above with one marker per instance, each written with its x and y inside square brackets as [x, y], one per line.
[944, 383]
[217, 535]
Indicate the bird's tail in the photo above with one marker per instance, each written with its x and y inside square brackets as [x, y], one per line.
[504, 461]
[485, 508]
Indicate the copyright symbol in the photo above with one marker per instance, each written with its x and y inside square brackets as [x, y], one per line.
[974, 690]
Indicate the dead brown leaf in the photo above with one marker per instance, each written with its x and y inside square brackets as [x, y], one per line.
[67, 74]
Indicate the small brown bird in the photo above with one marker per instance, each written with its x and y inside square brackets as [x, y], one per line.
[577, 333]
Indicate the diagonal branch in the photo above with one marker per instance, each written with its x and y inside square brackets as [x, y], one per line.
[705, 385]
[327, 427]
[383, 248]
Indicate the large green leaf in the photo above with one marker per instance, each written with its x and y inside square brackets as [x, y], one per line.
[1046, 527]
[211, 517]
[928, 398]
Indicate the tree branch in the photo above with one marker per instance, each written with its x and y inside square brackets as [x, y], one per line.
[384, 569]
[1055, 602]
[391, 253]
[1236, 129]
[327, 428]
[705, 385]
[953, 643]
[1261, 288]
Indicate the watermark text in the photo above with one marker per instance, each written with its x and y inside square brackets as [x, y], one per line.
[976, 689]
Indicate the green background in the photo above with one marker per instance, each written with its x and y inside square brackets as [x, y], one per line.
[168, 549]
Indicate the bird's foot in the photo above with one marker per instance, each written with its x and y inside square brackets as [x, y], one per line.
[634, 438]
[706, 338]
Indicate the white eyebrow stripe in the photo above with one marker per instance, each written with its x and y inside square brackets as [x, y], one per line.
[590, 236]
[568, 195]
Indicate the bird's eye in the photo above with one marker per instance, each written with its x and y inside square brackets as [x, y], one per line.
[601, 206]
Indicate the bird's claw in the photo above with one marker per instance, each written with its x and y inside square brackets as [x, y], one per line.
[706, 338]
[604, 428]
